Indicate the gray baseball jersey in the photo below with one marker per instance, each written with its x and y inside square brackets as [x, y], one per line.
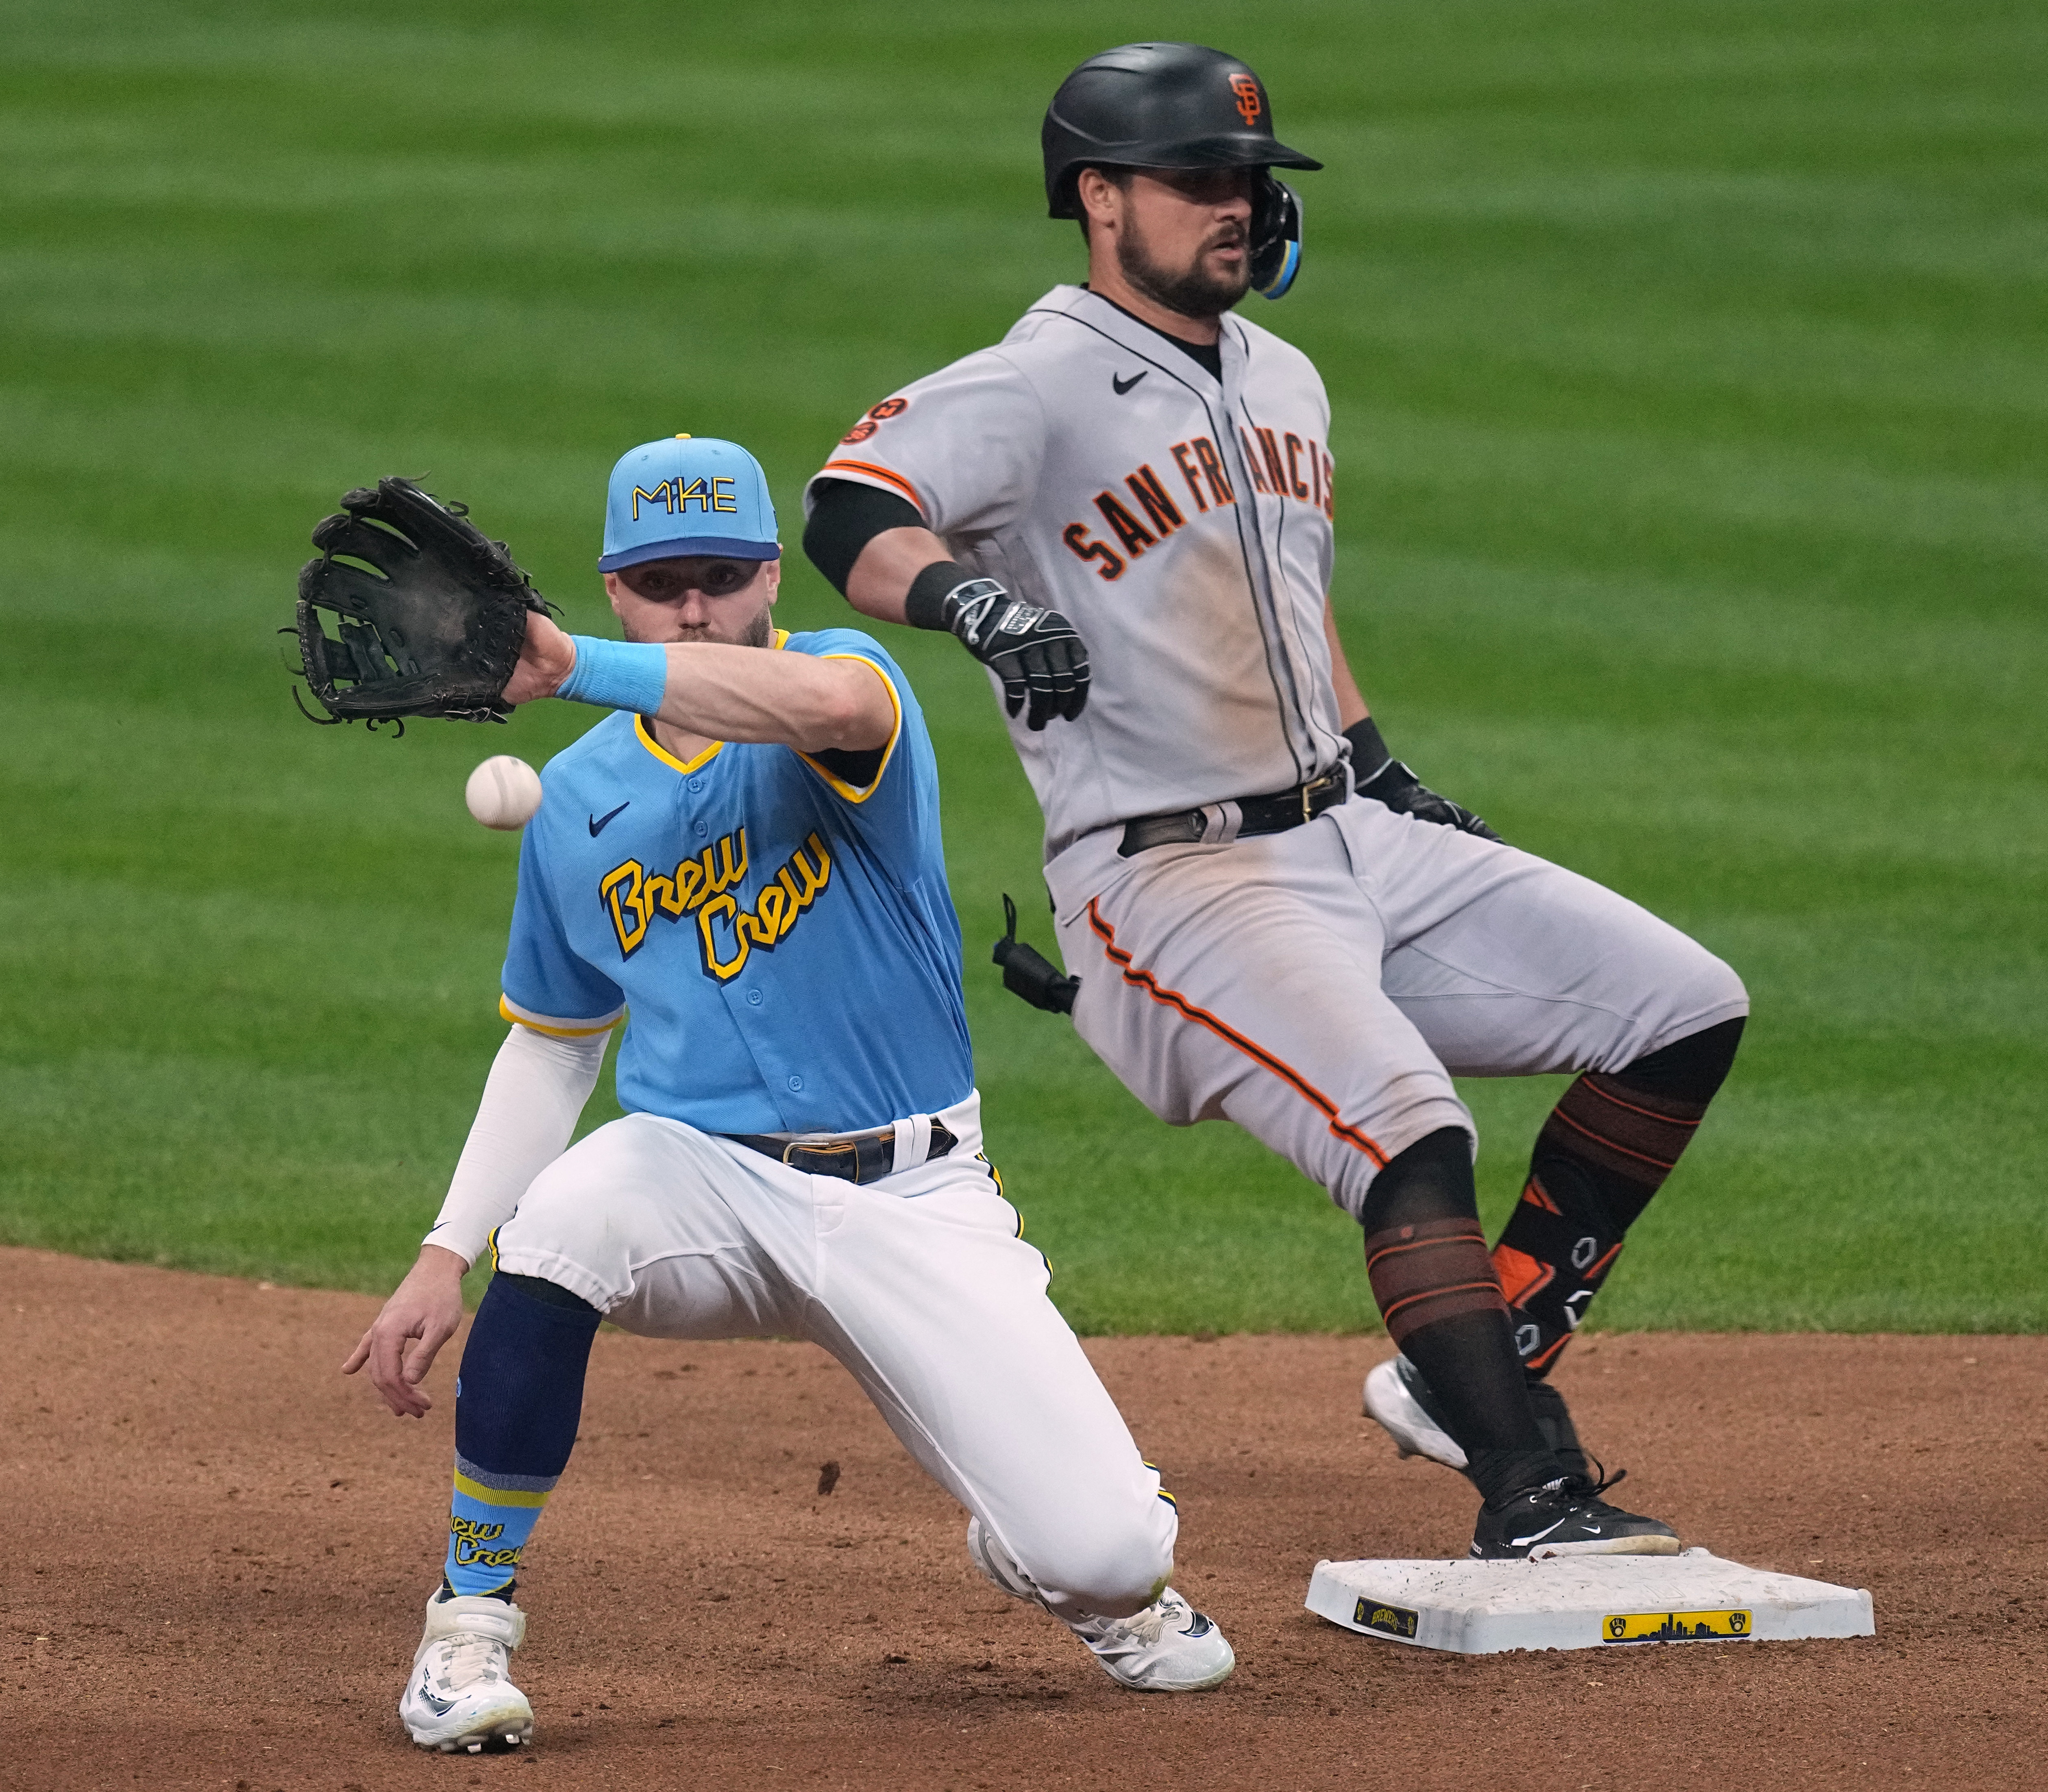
[1183, 523]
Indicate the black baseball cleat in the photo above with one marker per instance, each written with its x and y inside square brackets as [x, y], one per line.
[1566, 1517]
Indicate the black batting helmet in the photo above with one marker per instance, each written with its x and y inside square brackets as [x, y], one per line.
[1158, 105]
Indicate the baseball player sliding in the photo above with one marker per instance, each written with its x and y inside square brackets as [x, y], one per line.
[1125, 509]
[747, 856]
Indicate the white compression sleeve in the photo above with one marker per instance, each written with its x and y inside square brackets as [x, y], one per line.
[535, 1095]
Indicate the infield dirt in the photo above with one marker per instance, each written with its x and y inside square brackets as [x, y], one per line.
[219, 1550]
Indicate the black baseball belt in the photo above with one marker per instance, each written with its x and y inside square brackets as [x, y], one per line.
[1221, 823]
[858, 1157]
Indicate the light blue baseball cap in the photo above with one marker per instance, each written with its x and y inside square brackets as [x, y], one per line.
[687, 494]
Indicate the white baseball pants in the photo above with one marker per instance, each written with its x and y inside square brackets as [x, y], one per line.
[918, 1283]
[1322, 986]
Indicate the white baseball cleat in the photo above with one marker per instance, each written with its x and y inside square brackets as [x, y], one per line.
[460, 1695]
[1168, 1647]
[1391, 1397]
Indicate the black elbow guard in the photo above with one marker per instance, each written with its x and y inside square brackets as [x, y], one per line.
[844, 518]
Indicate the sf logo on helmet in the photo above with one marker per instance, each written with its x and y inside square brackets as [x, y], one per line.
[1246, 87]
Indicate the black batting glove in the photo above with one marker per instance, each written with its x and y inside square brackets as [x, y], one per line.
[1036, 653]
[1392, 783]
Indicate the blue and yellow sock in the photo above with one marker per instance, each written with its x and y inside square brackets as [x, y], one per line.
[518, 1400]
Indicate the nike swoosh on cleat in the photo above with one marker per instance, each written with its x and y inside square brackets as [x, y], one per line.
[1123, 386]
[599, 823]
[1537, 1536]
[440, 1707]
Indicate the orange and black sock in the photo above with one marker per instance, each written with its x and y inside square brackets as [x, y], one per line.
[1603, 1152]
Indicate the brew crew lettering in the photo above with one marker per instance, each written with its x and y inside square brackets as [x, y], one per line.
[470, 1536]
[1276, 464]
[727, 934]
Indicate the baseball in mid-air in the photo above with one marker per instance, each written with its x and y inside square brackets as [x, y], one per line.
[503, 791]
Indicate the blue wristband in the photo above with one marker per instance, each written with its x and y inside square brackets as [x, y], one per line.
[630, 675]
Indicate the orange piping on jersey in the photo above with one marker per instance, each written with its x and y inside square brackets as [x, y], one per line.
[1546, 1358]
[885, 475]
[1201, 1017]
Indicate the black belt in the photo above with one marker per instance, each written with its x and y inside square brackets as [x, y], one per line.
[1255, 815]
[860, 1157]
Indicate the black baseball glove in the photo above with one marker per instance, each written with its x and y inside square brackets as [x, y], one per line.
[430, 612]
[1378, 775]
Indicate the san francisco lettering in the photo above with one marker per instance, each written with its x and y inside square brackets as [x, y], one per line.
[1148, 508]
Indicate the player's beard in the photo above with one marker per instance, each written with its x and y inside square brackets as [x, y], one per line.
[1189, 291]
[759, 632]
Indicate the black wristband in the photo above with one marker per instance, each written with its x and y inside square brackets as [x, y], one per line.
[1369, 753]
[924, 603]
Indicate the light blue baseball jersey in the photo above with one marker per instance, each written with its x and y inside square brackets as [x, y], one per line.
[781, 939]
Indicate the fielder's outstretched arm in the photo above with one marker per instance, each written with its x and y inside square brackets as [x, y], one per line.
[707, 688]
[531, 1102]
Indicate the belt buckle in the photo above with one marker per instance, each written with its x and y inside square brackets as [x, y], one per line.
[1310, 791]
[829, 1149]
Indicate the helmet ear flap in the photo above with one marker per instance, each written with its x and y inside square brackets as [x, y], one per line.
[1276, 236]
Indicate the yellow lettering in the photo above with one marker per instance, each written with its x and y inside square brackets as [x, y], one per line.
[466, 1551]
[620, 891]
[813, 881]
[664, 494]
[695, 489]
[728, 873]
[793, 904]
[723, 905]
[704, 887]
[722, 500]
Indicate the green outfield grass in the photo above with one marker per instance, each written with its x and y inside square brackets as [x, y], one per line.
[1690, 364]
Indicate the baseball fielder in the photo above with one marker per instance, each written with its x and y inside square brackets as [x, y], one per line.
[746, 856]
[1125, 509]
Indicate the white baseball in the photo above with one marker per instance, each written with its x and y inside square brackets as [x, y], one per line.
[503, 791]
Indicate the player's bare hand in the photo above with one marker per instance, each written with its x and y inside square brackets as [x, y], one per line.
[401, 1344]
[1038, 653]
[546, 657]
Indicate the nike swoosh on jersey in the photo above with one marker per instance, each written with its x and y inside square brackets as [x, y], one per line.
[599, 823]
[1123, 386]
